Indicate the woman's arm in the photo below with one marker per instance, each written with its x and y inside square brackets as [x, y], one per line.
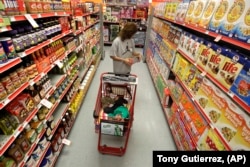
[124, 60]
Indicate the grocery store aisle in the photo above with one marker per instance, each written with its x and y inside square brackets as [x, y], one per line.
[149, 132]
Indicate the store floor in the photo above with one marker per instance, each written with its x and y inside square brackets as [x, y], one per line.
[149, 132]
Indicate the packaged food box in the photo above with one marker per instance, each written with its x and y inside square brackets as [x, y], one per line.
[230, 69]
[202, 97]
[188, 44]
[198, 11]
[241, 85]
[242, 31]
[181, 11]
[216, 60]
[220, 15]
[204, 53]
[173, 10]
[235, 15]
[208, 13]
[196, 82]
[190, 75]
[180, 65]
[191, 9]
[234, 127]
[210, 141]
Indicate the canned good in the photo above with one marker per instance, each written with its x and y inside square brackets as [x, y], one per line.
[8, 47]
[15, 79]
[9, 87]
[3, 93]
[3, 57]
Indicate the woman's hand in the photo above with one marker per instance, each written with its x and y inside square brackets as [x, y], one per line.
[128, 61]
[137, 55]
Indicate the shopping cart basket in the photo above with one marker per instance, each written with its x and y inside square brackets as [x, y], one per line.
[111, 130]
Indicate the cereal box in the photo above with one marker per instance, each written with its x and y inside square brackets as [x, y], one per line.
[198, 11]
[220, 15]
[216, 60]
[188, 44]
[183, 40]
[181, 11]
[241, 85]
[234, 127]
[204, 53]
[208, 13]
[210, 141]
[195, 47]
[173, 10]
[235, 14]
[242, 31]
[180, 66]
[192, 6]
[230, 69]
[203, 94]
[196, 82]
[189, 75]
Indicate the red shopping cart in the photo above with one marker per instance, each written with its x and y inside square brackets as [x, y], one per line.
[114, 133]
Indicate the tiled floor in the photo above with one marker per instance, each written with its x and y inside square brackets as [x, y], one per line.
[150, 129]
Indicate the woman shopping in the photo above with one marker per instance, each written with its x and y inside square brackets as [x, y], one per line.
[123, 50]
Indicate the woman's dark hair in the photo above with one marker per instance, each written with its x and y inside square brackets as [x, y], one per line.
[128, 31]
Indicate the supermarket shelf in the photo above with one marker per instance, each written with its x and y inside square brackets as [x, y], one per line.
[88, 26]
[111, 22]
[41, 45]
[209, 33]
[5, 28]
[234, 97]
[36, 16]
[13, 95]
[43, 154]
[7, 140]
[10, 63]
[32, 148]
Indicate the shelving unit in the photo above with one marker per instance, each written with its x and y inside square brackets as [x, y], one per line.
[192, 130]
[116, 14]
[90, 52]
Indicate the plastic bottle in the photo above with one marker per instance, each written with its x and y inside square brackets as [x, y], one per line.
[36, 124]
[65, 126]
[30, 134]
[17, 41]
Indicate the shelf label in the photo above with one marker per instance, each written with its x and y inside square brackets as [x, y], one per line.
[206, 32]
[59, 63]
[31, 20]
[218, 38]
[46, 103]
[66, 142]
[230, 94]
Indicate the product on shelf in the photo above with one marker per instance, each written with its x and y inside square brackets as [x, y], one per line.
[181, 10]
[15, 152]
[6, 126]
[205, 52]
[180, 65]
[208, 13]
[241, 85]
[36, 124]
[30, 162]
[198, 11]
[8, 47]
[231, 67]
[210, 141]
[236, 14]
[191, 9]
[5, 161]
[30, 134]
[220, 15]
[216, 60]
[23, 142]
[242, 31]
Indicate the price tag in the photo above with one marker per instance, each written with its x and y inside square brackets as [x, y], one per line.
[66, 142]
[46, 103]
[218, 38]
[16, 134]
[31, 20]
[206, 32]
[203, 73]
[230, 94]
[81, 87]
[59, 63]
[39, 15]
